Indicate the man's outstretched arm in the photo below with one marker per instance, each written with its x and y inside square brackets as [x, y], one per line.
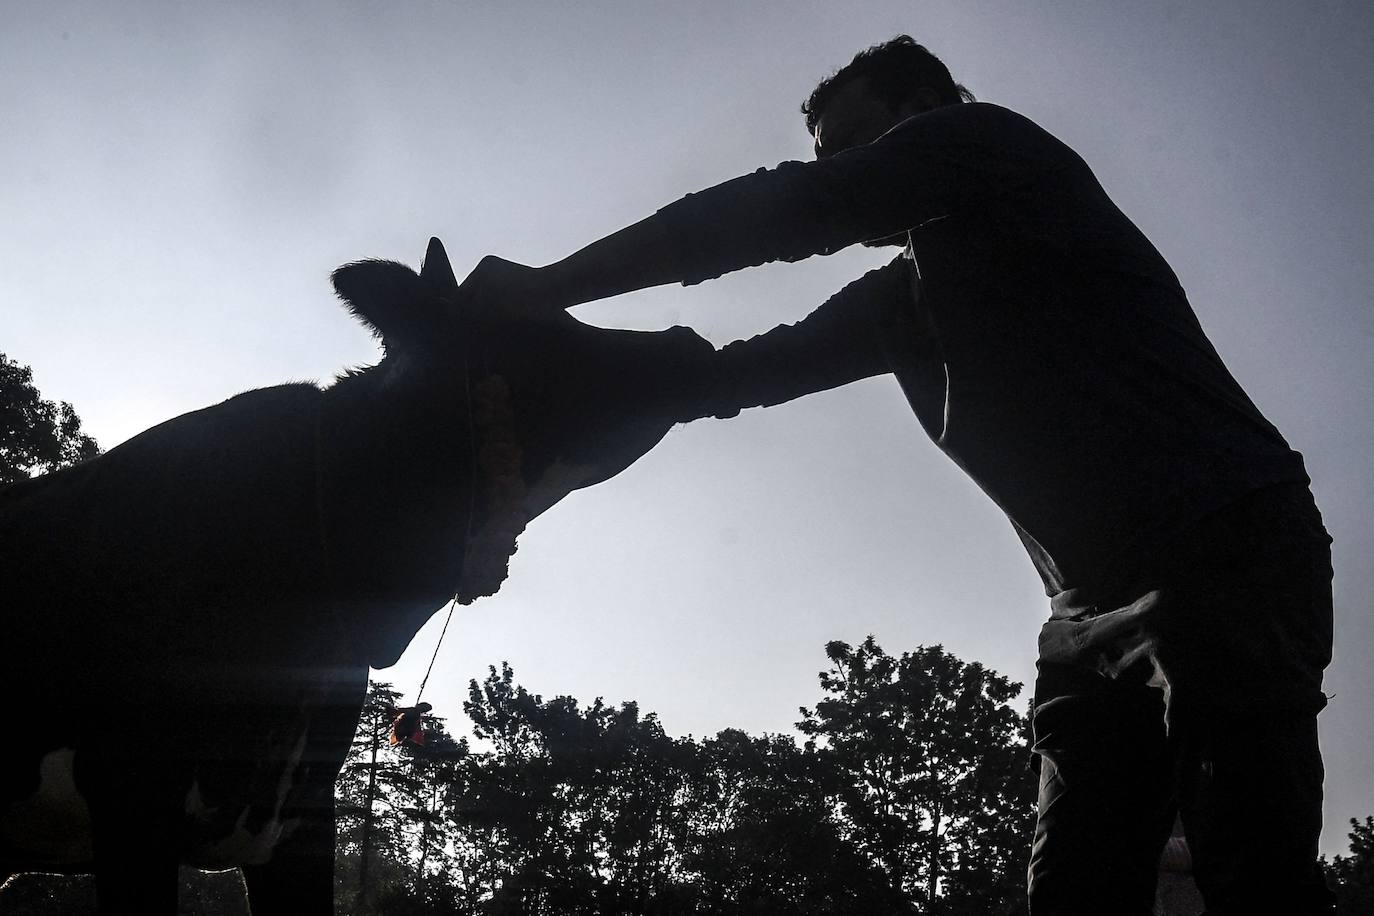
[926, 167]
[847, 338]
[787, 213]
[637, 257]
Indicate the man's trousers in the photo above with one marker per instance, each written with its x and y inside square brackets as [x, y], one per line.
[1192, 690]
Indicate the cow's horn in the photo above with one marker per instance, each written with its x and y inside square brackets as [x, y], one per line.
[436, 270]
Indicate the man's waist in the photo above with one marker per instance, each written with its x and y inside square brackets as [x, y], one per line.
[1228, 536]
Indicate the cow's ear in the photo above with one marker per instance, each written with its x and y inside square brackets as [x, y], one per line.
[437, 271]
[392, 300]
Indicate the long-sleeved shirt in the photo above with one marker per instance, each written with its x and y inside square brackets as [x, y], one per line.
[1042, 341]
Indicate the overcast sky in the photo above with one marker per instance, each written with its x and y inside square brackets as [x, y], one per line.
[177, 180]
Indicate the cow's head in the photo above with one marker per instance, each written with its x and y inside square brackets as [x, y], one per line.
[554, 404]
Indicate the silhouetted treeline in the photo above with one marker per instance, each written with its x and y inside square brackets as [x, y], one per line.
[36, 435]
[911, 793]
[1352, 876]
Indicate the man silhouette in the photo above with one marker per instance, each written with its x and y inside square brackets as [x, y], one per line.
[1049, 350]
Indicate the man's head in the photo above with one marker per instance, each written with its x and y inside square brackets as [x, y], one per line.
[881, 87]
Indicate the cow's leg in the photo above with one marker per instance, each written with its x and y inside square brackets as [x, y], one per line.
[299, 879]
[135, 835]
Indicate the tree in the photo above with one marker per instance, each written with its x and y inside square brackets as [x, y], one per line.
[513, 800]
[373, 784]
[582, 808]
[910, 796]
[938, 792]
[766, 838]
[36, 435]
[1352, 876]
[395, 854]
[437, 767]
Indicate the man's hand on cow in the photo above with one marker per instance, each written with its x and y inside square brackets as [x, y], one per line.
[692, 385]
[497, 287]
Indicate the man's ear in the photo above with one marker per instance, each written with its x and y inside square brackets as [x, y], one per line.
[922, 100]
[401, 309]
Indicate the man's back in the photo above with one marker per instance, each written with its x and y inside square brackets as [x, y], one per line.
[1052, 353]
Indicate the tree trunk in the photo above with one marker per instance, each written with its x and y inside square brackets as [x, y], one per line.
[933, 857]
[424, 844]
[365, 846]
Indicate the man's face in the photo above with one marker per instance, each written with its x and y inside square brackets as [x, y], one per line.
[854, 117]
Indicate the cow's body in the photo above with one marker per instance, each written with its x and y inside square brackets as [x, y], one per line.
[190, 617]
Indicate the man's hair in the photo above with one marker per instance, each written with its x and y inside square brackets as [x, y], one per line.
[894, 70]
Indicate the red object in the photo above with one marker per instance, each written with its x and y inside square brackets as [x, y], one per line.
[405, 728]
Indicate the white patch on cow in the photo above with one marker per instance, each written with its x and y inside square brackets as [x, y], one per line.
[242, 846]
[557, 481]
[52, 826]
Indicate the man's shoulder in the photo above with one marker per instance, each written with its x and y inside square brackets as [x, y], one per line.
[985, 130]
[973, 117]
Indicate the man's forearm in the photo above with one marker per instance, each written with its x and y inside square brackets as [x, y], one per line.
[842, 341]
[636, 257]
[786, 213]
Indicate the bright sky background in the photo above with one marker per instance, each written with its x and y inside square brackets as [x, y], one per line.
[177, 180]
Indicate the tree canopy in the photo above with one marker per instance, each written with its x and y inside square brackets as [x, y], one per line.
[934, 784]
[910, 794]
[36, 435]
[1352, 876]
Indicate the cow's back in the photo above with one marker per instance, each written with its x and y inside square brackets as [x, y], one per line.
[162, 600]
[207, 506]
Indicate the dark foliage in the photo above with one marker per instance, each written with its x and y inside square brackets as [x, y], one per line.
[931, 773]
[1352, 876]
[36, 435]
[911, 797]
[769, 838]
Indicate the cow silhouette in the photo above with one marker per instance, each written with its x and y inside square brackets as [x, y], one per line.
[188, 619]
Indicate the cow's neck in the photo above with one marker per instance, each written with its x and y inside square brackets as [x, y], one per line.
[395, 484]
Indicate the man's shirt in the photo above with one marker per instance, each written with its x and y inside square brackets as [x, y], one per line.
[1042, 341]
